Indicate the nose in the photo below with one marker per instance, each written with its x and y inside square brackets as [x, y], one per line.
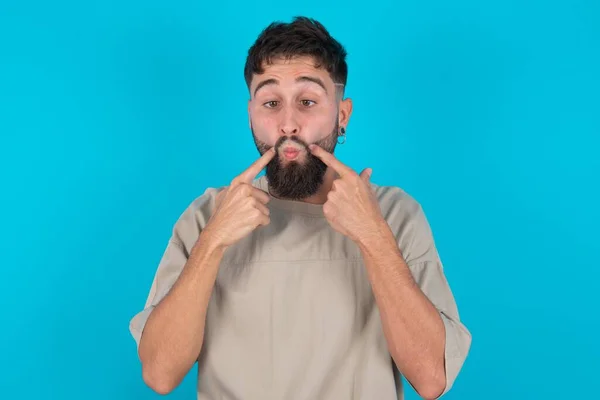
[288, 125]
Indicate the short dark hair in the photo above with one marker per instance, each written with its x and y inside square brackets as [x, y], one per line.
[301, 37]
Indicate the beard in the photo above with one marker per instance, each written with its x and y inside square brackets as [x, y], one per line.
[296, 179]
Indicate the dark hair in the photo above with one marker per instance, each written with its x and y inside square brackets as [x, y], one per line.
[301, 37]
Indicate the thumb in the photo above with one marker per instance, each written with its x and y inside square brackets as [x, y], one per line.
[366, 174]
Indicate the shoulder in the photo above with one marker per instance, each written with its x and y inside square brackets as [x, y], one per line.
[407, 220]
[396, 203]
[194, 217]
[201, 205]
[199, 210]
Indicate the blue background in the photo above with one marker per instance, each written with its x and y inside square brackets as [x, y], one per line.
[114, 116]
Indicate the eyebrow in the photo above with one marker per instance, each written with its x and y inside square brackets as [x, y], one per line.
[273, 81]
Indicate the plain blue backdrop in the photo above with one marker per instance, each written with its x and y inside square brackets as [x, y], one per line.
[114, 116]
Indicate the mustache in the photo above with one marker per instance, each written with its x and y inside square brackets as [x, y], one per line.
[292, 138]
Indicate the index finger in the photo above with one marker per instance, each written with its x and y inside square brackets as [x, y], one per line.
[249, 174]
[330, 160]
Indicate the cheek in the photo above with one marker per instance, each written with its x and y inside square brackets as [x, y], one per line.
[265, 128]
[318, 127]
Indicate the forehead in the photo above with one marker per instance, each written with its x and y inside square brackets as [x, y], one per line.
[287, 71]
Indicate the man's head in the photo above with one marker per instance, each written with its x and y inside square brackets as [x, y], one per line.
[296, 74]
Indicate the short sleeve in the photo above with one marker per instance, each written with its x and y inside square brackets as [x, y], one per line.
[184, 236]
[416, 242]
[431, 280]
[169, 269]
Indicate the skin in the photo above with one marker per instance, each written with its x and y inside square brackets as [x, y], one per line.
[292, 105]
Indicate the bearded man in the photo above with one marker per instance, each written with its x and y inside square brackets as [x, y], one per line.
[310, 282]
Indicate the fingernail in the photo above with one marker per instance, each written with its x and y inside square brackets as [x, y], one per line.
[312, 146]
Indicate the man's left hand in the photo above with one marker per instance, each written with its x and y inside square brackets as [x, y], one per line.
[351, 207]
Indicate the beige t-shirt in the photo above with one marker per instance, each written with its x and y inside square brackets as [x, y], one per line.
[292, 315]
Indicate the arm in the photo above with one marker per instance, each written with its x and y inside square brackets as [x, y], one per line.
[174, 331]
[170, 330]
[412, 325]
[419, 316]
[425, 335]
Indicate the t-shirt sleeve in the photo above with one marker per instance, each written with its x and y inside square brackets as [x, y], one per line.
[416, 242]
[183, 237]
[171, 264]
[431, 280]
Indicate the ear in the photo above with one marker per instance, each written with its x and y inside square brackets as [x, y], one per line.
[345, 112]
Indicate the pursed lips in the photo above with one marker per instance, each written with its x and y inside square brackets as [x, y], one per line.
[291, 152]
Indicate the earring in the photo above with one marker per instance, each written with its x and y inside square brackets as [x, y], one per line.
[342, 135]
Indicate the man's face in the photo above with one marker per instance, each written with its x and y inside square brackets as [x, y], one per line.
[293, 104]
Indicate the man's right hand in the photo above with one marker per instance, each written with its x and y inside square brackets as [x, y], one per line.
[240, 208]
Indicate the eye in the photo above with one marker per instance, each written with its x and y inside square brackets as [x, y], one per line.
[307, 103]
[271, 104]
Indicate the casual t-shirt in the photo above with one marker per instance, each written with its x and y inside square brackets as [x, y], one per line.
[292, 315]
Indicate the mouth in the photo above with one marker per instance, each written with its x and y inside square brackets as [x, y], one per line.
[291, 153]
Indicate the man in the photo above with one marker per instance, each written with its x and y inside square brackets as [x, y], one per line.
[309, 282]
